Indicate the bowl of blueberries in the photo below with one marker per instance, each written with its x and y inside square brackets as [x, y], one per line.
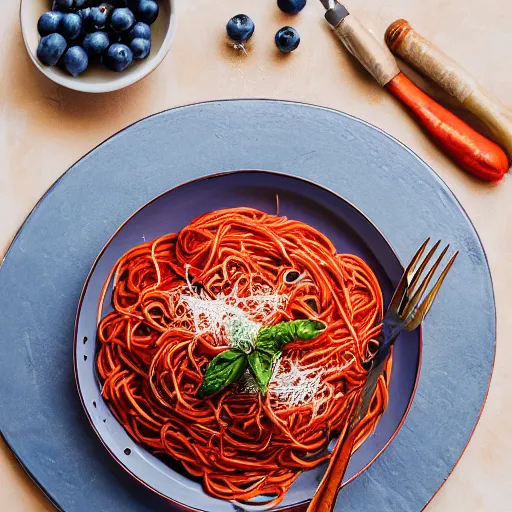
[97, 45]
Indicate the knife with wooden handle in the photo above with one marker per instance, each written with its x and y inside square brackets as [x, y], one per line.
[430, 61]
[471, 150]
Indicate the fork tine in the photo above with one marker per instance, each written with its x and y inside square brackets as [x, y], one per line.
[423, 310]
[401, 289]
[422, 266]
[410, 270]
[413, 302]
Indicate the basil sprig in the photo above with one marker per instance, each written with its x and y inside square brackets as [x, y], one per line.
[227, 368]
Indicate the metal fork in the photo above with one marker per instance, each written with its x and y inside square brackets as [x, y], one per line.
[410, 304]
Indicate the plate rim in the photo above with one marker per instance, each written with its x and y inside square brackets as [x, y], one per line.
[181, 506]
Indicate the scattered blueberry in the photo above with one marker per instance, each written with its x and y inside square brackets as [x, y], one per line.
[146, 10]
[122, 19]
[140, 48]
[51, 48]
[96, 44]
[240, 28]
[76, 60]
[287, 39]
[49, 23]
[118, 57]
[63, 5]
[95, 18]
[70, 26]
[291, 6]
[141, 30]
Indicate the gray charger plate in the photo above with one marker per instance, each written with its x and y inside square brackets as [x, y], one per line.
[43, 273]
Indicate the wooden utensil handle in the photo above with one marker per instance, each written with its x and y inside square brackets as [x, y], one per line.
[472, 151]
[429, 60]
[327, 492]
[372, 54]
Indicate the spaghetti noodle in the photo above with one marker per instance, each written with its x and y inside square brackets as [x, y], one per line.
[174, 299]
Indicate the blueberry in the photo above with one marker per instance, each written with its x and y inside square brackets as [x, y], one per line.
[140, 48]
[95, 18]
[291, 6]
[49, 23]
[96, 43]
[122, 19]
[240, 28]
[69, 5]
[145, 10]
[70, 26]
[76, 60]
[63, 5]
[115, 37]
[51, 48]
[118, 57]
[140, 29]
[287, 39]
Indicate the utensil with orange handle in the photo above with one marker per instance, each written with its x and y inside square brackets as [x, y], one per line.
[409, 305]
[470, 150]
[430, 61]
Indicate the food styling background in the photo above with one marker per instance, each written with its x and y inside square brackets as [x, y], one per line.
[45, 128]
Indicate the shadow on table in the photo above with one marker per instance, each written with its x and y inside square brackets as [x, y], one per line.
[31, 90]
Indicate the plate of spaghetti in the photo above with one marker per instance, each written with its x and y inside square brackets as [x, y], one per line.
[221, 336]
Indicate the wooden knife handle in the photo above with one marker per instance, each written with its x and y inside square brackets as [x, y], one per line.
[363, 45]
[472, 151]
[429, 60]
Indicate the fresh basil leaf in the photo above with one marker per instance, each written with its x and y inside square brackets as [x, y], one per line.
[306, 329]
[261, 364]
[269, 346]
[223, 370]
[286, 332]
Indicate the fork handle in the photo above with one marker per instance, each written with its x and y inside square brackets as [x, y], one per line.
[326, 495]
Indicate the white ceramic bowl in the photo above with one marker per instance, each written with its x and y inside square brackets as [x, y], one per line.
[97, 78]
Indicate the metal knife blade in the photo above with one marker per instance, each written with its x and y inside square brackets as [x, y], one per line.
[335, 12]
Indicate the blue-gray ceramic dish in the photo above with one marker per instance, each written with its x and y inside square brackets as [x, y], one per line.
[346, 227]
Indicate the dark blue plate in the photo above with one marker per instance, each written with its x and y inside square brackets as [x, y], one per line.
[349, 230]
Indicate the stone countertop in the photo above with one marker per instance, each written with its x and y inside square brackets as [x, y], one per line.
[44, 129]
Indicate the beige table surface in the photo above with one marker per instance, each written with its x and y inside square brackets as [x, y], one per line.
[44, 129]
